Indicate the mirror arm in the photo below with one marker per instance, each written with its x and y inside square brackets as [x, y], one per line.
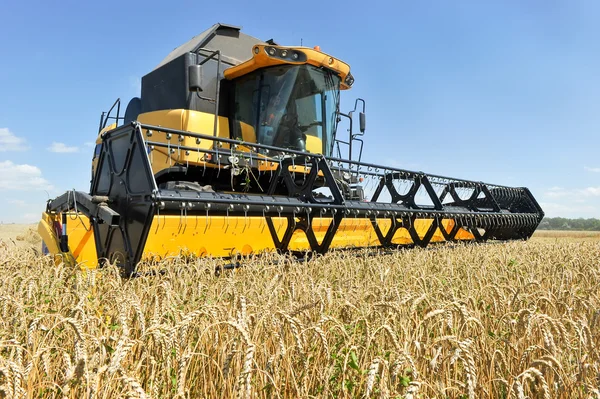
[356, 105]
[349, 116]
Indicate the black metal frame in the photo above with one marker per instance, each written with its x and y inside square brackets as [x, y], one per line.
[352, 137]
[105, 116]
[125, 179]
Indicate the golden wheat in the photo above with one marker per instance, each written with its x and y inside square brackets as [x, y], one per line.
[456, 321]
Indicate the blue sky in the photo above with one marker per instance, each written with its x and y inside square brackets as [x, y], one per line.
[505, 92]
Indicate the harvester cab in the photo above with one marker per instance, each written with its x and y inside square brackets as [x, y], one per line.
[232, 148]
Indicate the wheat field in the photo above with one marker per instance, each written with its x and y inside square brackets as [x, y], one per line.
[519, 320]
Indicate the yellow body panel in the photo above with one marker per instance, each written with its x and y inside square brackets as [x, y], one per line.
[186, 120]
[99, 141]
[314, 144]
[81, 239]
[219, 236]
[47, 232]
[260, 59]
[248, 133]
[352, 233]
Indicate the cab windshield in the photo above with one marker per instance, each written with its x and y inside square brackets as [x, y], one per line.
[288, 106]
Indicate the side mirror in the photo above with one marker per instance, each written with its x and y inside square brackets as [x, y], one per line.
[362, 122]
[195, 78]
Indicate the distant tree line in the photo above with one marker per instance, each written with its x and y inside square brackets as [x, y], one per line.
[570, 224]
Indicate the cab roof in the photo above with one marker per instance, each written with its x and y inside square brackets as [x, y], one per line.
[236, 47]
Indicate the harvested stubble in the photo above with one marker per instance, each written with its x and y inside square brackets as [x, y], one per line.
[478, 321]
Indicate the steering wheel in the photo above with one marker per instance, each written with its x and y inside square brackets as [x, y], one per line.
[304, 128]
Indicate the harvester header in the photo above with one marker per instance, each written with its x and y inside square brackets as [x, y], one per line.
[233, 148]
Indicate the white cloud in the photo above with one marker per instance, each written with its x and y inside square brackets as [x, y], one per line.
[62, 148]
[17, 202]
[591, 191]
[573, 194]
[595, 170]
[554, 209]
[22, 177]
[89, 144]
[10, 142]
[572, 202]
[556, 192]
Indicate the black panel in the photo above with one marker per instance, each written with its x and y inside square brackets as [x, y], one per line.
[134, 109]
[167, 87]
[115, 247]
[118, 151]
[138, 182]
[131, 185]
[104, 175]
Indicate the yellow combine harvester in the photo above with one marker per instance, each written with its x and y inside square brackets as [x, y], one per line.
[233, 149]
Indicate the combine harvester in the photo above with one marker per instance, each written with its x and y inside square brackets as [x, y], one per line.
[270, 173]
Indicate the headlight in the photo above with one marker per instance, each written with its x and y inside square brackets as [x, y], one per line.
[285, 54]
[349, 79]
